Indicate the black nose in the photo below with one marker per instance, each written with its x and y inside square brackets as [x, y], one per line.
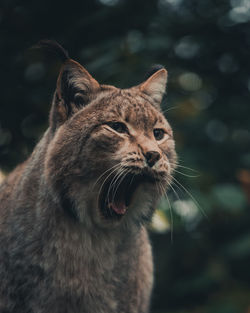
[152, 157]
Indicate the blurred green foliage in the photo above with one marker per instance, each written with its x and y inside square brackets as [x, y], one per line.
[202, 263]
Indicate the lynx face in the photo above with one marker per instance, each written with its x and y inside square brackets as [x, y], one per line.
[112, 153]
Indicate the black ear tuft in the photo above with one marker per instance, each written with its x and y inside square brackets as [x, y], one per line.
[53, 47]
[153, 69]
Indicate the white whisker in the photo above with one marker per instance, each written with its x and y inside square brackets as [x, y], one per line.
[171, 219]
[176, 182]
[192, 176]
[106, 178]
[109, 169]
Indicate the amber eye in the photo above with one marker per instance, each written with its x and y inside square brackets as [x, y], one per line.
[118, 127]
[158, 133]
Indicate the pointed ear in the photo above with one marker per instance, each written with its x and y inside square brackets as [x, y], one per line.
[155, 86]
[75, 89]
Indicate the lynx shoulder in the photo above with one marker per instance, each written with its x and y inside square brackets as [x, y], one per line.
[73, 216]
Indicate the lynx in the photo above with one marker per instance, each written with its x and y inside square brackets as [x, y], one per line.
[73, 216]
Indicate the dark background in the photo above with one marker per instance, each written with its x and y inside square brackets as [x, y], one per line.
[202, 243]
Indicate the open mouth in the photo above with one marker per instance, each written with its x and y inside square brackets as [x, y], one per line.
[116, 194]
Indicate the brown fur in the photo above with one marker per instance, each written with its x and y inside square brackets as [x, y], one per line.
[58, 252]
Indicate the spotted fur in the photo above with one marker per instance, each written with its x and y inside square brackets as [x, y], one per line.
[57, 251]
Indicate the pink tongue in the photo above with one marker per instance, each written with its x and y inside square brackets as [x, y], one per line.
[119, 208]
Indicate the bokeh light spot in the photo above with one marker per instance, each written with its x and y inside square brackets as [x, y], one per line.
[190, 81]
[216, 130]
[187, 209]
[34, 72]
[227, 64]
[186, 48]
[109, 2]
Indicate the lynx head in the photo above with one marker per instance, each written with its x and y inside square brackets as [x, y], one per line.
[112, 152]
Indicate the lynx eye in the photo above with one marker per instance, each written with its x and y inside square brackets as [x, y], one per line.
[79, 100]
[159, 133]
[118, 127]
